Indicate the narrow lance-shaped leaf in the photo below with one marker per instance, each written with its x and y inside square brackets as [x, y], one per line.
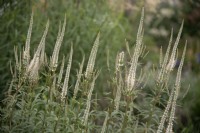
[40, 46]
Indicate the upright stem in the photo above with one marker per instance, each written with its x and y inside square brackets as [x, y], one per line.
[124, 124]
[153, 104]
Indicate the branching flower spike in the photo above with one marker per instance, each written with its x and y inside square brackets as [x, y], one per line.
[54, 57]
[176, 92]
[166, 58]
[34, 65]
[172, 60]
[134, 61]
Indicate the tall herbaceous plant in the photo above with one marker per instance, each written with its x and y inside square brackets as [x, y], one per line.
[38, 98]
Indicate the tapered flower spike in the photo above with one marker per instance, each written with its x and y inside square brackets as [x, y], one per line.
[76, 88]
[92, 58]
[34, 65]
[54, 57]
[140, 33]
[168, 50]
[66, 80]
[176, 92]
[164, 116]
[118, 64]
[26, 53]
[164, 63]
[172, 61]
[39, 49]
[134, 61]
[88, 104]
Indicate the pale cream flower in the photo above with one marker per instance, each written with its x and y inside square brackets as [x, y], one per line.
[92, 58]
[54, 57]
[134, 61]
[176, 92]
[26, 53]
[33, 67]
[66, 80]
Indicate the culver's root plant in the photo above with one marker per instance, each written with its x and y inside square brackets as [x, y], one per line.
[38, 98]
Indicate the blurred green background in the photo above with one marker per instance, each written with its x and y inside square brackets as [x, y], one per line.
[116, 21]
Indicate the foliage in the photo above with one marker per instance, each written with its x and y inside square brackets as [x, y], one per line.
[83, 19]
[41, 99]
[13, 27]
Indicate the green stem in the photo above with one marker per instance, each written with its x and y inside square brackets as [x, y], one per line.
[124, 124]
[156, 100]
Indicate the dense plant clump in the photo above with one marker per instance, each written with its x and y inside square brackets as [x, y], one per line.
[38, 99]
[84, 18]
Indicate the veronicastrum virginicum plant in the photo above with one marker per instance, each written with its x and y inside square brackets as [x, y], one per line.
[38, 98]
